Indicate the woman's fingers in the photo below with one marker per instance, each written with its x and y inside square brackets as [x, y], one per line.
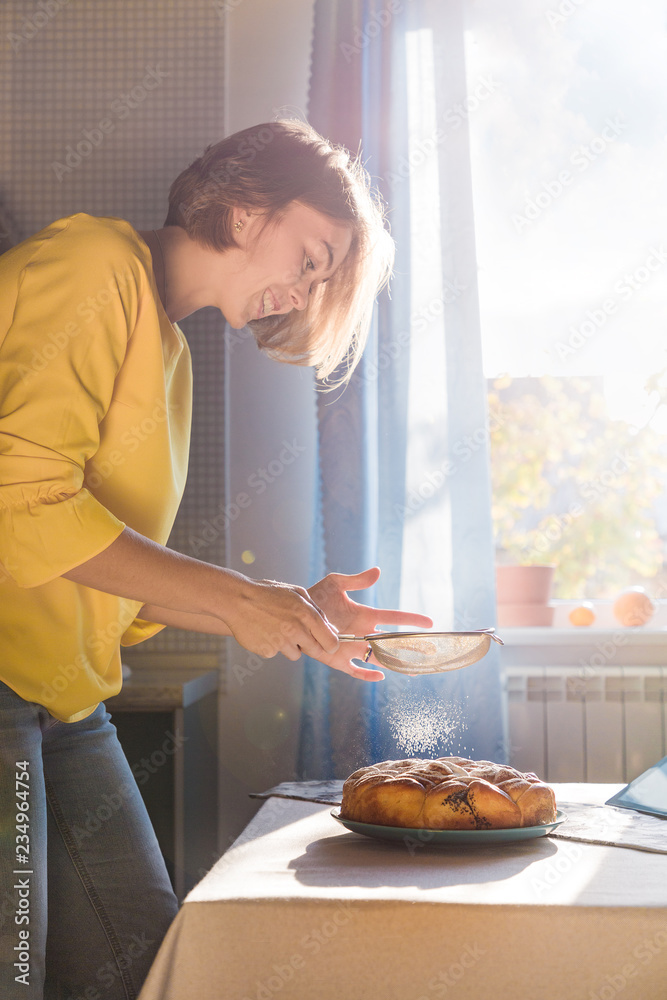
[311, 647]
[365, 674]
[358, 581]
[344, 660]
[278, 618]
[336, 585]
[310, 625]
[324, 635]
[362, 673]
[390, 617]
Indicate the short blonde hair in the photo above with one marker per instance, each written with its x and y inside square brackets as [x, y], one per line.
[265, 168]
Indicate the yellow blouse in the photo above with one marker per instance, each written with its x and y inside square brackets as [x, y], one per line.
[95, 411]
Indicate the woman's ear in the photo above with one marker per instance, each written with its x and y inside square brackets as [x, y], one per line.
[240, 219]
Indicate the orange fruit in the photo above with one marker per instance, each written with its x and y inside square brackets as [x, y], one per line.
[583, 614]
[633, 607]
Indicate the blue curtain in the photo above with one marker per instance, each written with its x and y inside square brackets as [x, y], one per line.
[359, 97]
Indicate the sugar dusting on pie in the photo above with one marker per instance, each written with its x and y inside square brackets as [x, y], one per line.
[426, 724]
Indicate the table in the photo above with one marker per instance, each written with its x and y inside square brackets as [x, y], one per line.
[300, 908]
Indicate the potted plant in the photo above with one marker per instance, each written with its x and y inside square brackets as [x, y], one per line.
[523, 592]
[518, 583]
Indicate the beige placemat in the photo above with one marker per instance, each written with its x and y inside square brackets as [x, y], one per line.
[612, 827]
[329, 793]
[591, 824]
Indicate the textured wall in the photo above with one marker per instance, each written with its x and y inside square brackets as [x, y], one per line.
[102, 104]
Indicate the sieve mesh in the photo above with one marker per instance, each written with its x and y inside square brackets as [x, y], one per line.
[428, 656]
[427, 652]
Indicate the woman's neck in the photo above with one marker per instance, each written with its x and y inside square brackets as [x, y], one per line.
[184, 271]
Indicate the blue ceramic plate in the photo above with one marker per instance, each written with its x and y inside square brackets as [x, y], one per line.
[448, 836]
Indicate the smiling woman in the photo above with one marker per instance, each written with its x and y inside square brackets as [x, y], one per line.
[272, 226]
[293, 184]
[272, 268]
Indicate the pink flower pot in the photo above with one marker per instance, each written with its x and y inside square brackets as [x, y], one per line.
[524, 584]
[525, 615]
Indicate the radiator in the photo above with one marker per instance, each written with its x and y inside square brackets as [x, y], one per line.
[573, 724]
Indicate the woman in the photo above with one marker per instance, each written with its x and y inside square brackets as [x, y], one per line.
[278, 230]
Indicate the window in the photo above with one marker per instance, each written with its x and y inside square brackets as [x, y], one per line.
[568, 160]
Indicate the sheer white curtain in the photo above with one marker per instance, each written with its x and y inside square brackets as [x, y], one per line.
[404, 468]
[448, 557]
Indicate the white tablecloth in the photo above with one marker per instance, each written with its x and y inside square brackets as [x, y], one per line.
[300, 908]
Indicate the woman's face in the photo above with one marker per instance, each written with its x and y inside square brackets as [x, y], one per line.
[275, 270]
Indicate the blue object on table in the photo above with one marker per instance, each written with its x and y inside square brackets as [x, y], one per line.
[647, 793]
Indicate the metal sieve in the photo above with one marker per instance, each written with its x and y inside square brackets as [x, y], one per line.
[426, 652]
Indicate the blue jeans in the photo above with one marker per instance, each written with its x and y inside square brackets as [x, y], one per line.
[85, 898]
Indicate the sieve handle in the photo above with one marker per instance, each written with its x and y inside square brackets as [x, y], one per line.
[379, 635]
[492, 633]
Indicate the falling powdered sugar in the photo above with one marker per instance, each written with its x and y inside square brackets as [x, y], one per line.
[427, 725]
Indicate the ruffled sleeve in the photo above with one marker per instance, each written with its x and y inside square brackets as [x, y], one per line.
[75, 306]
[139, 631]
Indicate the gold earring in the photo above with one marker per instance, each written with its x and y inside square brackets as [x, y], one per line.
[238, 226]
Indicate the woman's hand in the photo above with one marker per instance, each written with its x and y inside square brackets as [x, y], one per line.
[267, 618]
[330, 596]
[264, 616]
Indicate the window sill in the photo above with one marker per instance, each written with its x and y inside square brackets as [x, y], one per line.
[584, 647]
[583, 636]
[604, 616]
